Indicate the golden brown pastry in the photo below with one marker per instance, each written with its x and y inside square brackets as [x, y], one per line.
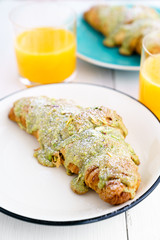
[89, 142]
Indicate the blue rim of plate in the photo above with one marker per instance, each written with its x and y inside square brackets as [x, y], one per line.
[90, 48]
[89, 220]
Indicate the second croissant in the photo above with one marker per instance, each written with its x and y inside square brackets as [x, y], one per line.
[123, 26]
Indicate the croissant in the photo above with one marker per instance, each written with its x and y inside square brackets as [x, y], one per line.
[118, 23]
[133, 36]
[88, 142]
[105, 19]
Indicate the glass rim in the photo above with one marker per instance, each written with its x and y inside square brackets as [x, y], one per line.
[144, 39]
[17, 8]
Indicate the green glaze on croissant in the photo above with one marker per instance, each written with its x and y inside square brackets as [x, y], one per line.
[88, 142]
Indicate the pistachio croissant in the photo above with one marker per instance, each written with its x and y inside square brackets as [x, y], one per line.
[89, 142]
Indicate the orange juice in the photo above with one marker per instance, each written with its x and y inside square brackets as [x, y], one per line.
[149, 92]
[46, 55]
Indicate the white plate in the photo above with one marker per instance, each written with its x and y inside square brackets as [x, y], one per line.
[39, 194]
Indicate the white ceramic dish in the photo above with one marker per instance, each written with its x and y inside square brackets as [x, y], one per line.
[39, 194]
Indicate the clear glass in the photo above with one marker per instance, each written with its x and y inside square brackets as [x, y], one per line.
[149, 81]
[45, 42]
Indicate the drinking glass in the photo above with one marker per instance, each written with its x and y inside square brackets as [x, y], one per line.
[149, 82]
[45, 42]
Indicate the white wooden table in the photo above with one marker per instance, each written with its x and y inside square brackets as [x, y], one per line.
[140, 222]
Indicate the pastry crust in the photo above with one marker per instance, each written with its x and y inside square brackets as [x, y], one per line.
[123, 178]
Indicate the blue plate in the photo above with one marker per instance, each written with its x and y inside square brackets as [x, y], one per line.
[91, 49]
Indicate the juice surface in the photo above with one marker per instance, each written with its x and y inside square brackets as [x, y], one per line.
[46, 55]
[149, 92]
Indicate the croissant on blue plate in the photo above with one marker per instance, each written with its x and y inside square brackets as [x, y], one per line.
[123, 26]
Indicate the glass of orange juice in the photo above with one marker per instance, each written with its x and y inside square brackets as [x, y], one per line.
[149, 83]
[45, 42]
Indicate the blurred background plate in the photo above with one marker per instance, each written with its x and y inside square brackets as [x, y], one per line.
[91, 49]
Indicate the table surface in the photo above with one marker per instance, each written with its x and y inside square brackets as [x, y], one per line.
[140, 222]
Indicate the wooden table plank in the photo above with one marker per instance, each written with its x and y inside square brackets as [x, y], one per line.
[88, 73]
[143, 221]
[127, 82]
[13, 229]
